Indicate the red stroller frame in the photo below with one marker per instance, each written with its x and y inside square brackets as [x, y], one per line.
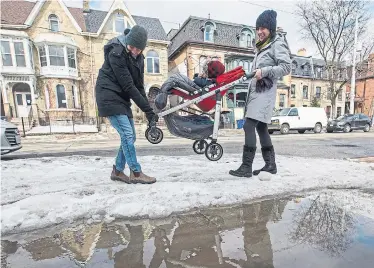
[206, 99]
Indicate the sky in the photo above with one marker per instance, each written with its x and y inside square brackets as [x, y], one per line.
[175, 12]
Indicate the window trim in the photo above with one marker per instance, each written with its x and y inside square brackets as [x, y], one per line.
[24, 53]
[153, 62]
[307, 91]
[320, 93]
[54, 18]
[57, 103]
[65, 48]
[247, 43]
[10, 53]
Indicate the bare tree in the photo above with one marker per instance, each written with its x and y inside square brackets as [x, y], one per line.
[331, 26]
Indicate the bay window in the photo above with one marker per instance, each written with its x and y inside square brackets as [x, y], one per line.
[19, 51]
[56, 55]
[71, 58]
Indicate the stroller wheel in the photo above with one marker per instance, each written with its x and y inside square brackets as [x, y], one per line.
[199, 146]
[154, 135]
[214, 152]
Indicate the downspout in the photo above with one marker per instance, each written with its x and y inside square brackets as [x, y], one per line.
[93, 87]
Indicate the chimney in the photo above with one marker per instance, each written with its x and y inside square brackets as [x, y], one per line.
[86, 6]
[301, 52]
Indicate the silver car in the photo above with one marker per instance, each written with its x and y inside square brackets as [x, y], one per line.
[10, 138]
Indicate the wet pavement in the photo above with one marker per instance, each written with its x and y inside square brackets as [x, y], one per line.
[311, 231]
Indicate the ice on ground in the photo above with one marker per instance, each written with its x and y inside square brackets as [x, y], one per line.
[37, 193]
[63, 129]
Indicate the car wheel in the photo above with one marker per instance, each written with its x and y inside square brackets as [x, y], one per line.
[318, 128]
[285, 129]
[347, 128]
[271, 131]
[301, 131]
[367, 128]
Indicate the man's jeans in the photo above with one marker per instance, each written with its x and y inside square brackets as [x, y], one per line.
[126, 153]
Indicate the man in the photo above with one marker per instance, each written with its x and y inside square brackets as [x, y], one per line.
[272, 61]
[120, 80]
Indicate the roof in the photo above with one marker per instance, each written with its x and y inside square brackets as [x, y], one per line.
[192, 31]
[88, 22]
[15, 12]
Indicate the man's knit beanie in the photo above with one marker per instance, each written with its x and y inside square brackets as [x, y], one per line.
[136, 37]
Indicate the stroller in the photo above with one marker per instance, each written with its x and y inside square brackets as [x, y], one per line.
[197, 127]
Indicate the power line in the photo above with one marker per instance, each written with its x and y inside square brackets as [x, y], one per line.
[259, 5]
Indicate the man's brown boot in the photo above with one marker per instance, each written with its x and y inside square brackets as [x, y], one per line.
[140, 177]
[119, 176]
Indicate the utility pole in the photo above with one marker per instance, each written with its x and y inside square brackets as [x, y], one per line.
[353, 78]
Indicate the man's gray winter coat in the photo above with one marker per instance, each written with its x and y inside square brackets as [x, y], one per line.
[274, 60]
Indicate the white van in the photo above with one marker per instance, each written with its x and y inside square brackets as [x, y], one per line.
[300, 119]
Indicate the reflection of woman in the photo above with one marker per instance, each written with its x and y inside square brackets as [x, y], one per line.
[272, 62]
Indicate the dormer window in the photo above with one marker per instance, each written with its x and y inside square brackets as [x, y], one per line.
[294, 67]
[120, 23]
[53, 23]
[209, 32]
[246, 38]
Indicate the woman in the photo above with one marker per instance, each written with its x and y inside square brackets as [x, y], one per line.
[272, 61]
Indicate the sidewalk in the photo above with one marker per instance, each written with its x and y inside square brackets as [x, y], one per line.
[42, 192]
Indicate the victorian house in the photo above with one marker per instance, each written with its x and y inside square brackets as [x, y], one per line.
[51, 55]
[200, 39]
[309, 84]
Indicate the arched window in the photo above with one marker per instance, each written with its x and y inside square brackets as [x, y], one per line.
[61, 96]
[209, 32]
[153, 62]
[53, 23]
[246, 38]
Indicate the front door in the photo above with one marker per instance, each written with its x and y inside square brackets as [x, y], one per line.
[23, 104]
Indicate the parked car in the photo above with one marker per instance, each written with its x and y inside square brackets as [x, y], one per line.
[349, 122]
[10, 138]
[300, 119]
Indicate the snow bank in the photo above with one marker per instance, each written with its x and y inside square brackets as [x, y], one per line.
[63, 129]
[37, 193]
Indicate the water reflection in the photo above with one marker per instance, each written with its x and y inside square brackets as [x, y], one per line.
[249, 235]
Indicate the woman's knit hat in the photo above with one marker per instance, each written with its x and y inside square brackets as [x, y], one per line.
[136, 37]
[267, 19]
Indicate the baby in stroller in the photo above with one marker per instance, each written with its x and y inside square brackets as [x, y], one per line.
[211, 70]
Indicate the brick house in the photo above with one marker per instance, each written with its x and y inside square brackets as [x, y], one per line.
[309, 80]
[364, 94]
[51, 55]
[199, 39]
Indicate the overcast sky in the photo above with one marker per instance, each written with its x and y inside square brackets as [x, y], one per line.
[171, 13]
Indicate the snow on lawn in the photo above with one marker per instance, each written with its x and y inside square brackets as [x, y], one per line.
[63, 129]
[37, 193]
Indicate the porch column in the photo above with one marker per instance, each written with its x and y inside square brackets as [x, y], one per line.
[4, 94]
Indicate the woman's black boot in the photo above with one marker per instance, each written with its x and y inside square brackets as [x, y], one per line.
[245, 170]
[268, 155]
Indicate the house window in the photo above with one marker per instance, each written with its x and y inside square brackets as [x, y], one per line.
[306, 70]
[74, 93]
[318, 92]
[282, 98]
[209, 32]
[56, 55]
[294, 66]
[293, 91]
[246, 38]
[53, 23]
[20, 54]
[61, 96]
[153, 62]
[43, 56]
[202, 61]
[340, 96]
[119, 23]
[6, 54]
[71, 58]
[305, 92]
[338, 111]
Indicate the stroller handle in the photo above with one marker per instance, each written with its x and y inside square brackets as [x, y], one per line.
[250, 75]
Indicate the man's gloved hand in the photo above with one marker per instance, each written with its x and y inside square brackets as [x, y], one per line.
[151, 117]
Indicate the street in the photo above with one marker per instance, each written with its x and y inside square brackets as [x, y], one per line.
[325, 145]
